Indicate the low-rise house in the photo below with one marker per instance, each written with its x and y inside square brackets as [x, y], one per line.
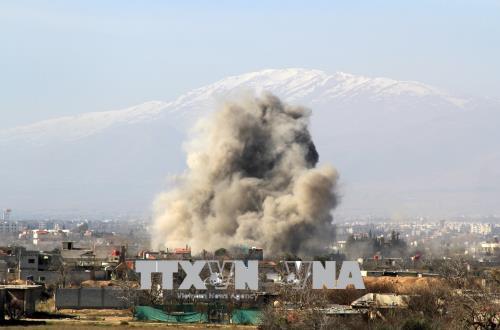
[381, 301]
[38, 266]
[182, 253]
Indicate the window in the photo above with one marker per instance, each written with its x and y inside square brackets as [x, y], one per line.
[31, 261]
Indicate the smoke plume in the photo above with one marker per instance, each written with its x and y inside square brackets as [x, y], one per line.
[251, 181]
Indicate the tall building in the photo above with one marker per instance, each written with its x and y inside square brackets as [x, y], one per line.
[9, 227]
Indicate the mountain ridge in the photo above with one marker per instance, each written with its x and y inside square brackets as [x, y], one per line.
[291, 84]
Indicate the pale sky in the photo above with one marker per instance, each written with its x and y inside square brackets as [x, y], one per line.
[67, 57]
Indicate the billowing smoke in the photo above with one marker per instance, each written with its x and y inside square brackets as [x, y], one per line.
[251, 181]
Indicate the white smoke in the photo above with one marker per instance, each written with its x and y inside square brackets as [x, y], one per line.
[251, 181]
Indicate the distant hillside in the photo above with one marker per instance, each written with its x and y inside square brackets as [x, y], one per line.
[401, 147]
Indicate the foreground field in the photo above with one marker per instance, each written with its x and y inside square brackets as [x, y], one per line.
[82, 325]
[108, 318]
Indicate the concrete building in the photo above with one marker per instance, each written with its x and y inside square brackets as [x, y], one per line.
[480, 228]
[41, 236]
[39, 267]
[490, 247]
[72, 267]
[9, 227]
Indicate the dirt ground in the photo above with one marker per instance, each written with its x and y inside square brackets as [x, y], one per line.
[82, 325]
[403, 285]
[108, 318]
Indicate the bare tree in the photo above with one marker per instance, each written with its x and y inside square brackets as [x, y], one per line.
[297, 309]
[475, 310]
[128, 292]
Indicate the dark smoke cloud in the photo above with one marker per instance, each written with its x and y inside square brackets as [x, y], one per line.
[251, 181]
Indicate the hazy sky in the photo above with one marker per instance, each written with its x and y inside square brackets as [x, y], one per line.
[66, 57]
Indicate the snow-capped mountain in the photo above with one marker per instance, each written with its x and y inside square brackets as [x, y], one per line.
[309, 87]
[81, 126]
[399, 145]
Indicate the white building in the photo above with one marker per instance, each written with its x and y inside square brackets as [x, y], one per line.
[490, 247]
[480, 228]
[51, 235]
